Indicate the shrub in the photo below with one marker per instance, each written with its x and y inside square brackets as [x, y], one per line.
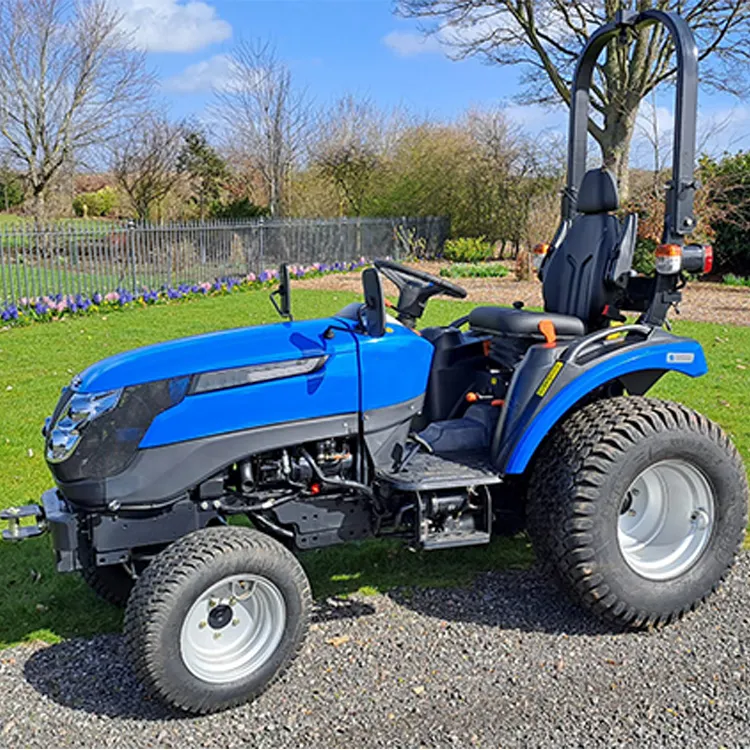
[644, 258]
[733, 280]
[11, 192]
[240, 208]
[99, 203]
[474, 270]
[468, 249]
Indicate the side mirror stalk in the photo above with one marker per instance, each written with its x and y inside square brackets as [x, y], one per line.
[284, 304]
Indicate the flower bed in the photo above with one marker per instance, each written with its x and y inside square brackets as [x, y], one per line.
[58, 306]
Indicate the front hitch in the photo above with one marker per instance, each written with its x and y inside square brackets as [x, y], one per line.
[15, 532]
[52, 515]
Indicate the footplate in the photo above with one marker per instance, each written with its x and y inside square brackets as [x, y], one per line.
[15, 531]
[431, 472]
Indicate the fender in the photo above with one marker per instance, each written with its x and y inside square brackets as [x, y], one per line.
[565, 383]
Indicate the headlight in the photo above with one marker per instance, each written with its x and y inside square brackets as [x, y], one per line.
[96, 435]
[80, 410]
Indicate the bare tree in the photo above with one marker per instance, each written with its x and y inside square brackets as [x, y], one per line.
[265, 118]
[68, 81]
[145, 162]
[546, 36]
[348, 150]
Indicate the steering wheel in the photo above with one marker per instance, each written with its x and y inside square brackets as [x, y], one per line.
[415, 288]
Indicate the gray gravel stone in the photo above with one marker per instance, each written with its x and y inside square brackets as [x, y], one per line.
[508, 662]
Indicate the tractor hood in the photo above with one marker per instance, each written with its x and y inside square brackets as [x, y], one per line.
[214, 351]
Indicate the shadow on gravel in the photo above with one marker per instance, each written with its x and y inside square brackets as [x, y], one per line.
[511, 600]
[94, 674]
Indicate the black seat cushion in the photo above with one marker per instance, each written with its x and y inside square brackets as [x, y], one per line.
[508, 320]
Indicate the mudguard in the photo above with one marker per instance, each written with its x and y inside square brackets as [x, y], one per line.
[550, 381]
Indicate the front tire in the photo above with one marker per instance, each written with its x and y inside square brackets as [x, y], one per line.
[216, 618]
[640, 506]
[112, 583]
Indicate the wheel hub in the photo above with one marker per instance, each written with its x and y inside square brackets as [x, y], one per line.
[233, 628]
[666, 519]
[220, 616]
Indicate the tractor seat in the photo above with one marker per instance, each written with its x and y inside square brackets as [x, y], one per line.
[583, 275]
[503, 321]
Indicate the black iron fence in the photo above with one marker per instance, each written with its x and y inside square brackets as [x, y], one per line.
[86, 257]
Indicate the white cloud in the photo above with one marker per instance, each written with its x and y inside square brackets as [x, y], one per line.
[206, 75]
[408, 44]
[172, 25]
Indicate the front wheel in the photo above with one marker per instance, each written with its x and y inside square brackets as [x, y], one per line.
[640, 506]
[216, 617]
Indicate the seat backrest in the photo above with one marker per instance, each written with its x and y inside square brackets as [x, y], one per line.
[575, 275]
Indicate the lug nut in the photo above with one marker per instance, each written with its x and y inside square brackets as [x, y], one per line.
[202, 624]
[236, 621]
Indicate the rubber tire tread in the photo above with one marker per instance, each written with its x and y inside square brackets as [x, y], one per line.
[112, 583]
[161, 588]
[567, 479]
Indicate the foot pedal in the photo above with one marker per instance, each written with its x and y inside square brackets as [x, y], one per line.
[15, 532]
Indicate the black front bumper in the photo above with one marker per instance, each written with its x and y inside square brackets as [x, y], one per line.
[53, 516]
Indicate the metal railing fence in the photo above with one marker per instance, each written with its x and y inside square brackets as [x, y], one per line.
[86, 257]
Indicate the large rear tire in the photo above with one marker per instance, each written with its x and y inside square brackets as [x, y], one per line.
[217, 617]
[640, 506]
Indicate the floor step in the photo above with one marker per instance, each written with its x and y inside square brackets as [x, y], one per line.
[428, 471]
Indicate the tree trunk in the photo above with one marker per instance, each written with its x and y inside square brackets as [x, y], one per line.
[38, 208]
[615, 145]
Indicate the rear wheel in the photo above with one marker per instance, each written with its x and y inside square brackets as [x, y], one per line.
[216, 617]
[640, 506]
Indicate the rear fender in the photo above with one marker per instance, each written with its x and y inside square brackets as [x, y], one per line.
[550, 382]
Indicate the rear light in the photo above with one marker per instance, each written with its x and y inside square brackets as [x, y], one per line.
[668, 259]
[708, 259]
[539, 252]
[697, 258]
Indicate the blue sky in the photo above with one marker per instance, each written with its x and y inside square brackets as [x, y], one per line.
[337, 47]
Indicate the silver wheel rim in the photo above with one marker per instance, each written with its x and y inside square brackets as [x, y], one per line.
[666, 519]
[233, 628]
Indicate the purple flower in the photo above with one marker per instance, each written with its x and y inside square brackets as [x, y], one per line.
[40, 308]
[10, 313]
[97, 298]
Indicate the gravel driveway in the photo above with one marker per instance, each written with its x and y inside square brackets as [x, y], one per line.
[506, 663]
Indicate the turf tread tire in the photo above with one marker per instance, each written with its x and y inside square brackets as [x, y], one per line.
[112, 583]
[574, 467]
[159, 590]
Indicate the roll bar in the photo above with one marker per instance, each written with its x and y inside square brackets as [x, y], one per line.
[678, 219]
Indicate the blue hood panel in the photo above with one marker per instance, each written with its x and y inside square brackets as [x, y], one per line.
[216, 351]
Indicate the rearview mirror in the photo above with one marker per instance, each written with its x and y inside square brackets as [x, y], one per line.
[284, 304]
[374, 302]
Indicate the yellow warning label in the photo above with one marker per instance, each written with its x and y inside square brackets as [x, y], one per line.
[549, 378]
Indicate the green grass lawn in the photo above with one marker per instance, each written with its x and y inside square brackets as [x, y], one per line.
[35, 362]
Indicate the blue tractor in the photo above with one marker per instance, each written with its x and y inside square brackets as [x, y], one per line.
[358, 425]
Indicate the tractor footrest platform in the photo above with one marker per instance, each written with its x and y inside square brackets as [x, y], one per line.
[429, 471]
